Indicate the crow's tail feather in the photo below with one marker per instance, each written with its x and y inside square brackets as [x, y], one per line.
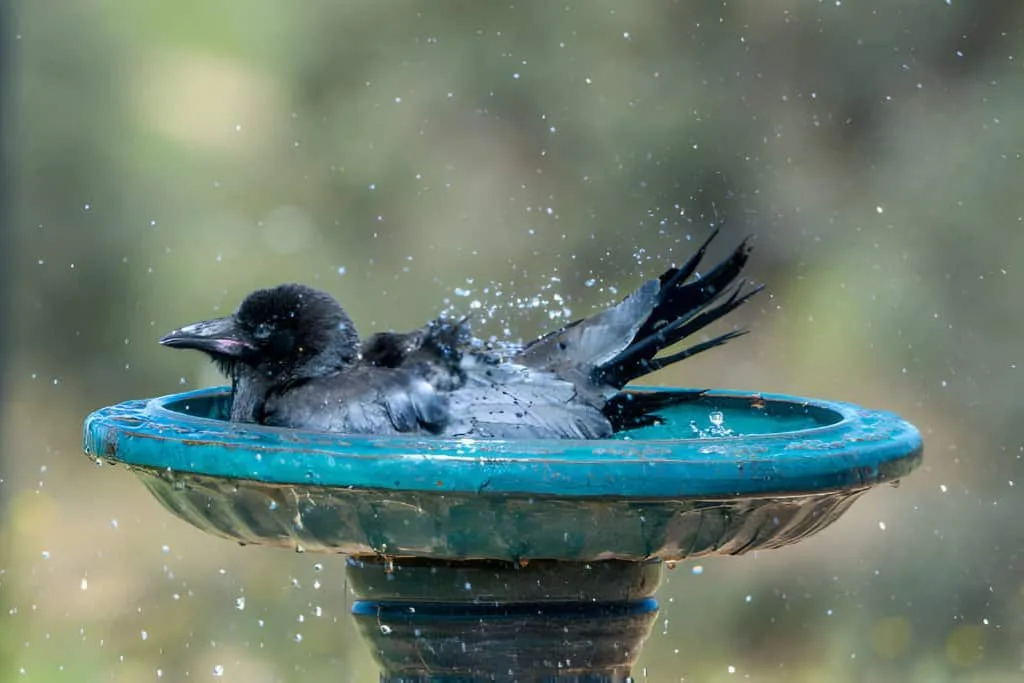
[682, 308]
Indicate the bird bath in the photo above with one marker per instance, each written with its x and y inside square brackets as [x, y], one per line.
[512, 560]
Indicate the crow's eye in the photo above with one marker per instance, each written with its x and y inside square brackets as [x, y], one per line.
[262, 332]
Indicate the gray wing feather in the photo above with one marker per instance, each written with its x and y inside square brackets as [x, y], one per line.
[594, 340]
[515, 401]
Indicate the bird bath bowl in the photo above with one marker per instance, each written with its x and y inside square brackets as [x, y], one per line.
[512, 560]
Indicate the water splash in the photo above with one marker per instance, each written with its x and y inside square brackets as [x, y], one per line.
[715, 429]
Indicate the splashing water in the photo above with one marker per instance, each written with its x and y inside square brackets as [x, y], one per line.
[716, 428]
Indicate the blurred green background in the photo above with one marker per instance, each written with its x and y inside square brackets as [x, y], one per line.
[165, 158]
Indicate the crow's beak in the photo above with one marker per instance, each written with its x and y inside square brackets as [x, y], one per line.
[220, 337]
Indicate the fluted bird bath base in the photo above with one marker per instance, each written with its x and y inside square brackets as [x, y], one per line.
[529, 560]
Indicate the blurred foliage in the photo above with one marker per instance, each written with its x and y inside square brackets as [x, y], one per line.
[168, 157]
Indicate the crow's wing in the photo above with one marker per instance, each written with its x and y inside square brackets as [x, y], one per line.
[505, 401]
[362, 400]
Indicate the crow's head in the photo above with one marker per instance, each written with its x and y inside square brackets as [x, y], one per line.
[285, 333]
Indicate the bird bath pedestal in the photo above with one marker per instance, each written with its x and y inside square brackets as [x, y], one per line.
[512, 560]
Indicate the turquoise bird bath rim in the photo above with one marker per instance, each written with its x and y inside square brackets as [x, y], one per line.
[728, 473]
[528, 560]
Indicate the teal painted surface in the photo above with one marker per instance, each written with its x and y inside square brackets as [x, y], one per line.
[780, 445]
[490, 526]
[568, 643]
[456, 584]
[444, 622]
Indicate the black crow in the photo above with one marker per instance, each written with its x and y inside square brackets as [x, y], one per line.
[295, 360]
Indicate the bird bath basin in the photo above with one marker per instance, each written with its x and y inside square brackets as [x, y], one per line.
[512, 560]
